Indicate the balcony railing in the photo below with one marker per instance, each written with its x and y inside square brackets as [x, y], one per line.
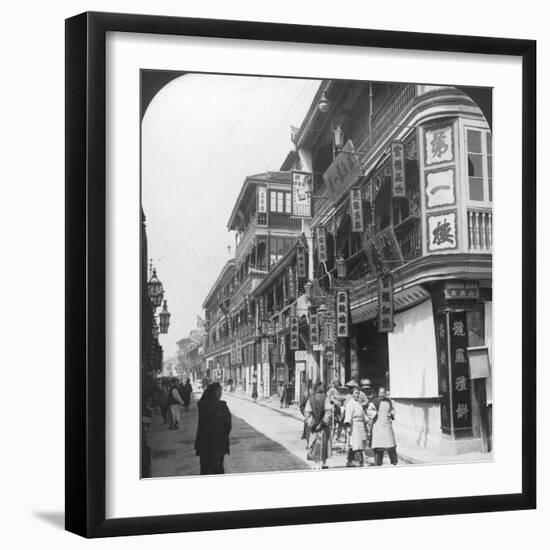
[480, 230]
[408, 234]
[278, 220]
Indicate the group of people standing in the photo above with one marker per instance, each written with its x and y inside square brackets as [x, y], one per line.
[366, 419]
[172, 396]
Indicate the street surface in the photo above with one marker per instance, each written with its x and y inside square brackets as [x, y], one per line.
[267, 441]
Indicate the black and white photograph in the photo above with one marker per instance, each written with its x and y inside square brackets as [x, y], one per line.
[316, 274]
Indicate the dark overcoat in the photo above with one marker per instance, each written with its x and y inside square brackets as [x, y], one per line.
[213, 428]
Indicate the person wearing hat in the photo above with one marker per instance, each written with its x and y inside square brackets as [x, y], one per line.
[355, 422]
[382, 414]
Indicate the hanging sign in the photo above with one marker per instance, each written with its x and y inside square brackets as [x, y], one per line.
[302, 189]
[342, 314]
[238, 352]
[265, 350]
[356, 210]
[385, 303]
[398, 169]
[313, 326]
[328, 333]
[301, 266]
[322, 244]
[291, 284]
[343, 171]
[232, 354]
[294, 333]
[261, 308]
[276, 353]
[262, 200]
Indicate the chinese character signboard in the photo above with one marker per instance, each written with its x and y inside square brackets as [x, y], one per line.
[301, 265]
[262, 200]
[322, 244]
[265, 350]
[261, 308]
[438, 144]
[440, 187]
[232, 354]
[328, 333]
[294, 333]
[460, 372]
[461, 290]
[442, 234]
[291, 284]
[238, 352]
[342, 314]
[343, 171]
[302, 189]
[383, 251]
[385, 303]
[398, 169]
[356, 208]
[313, 326]
[443, 364]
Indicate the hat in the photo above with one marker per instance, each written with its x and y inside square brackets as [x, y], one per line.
[352, 384]
[365, 383]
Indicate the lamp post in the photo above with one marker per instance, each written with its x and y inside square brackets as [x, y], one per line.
[164, 319]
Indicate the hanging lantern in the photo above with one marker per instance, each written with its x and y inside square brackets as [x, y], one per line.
[324, 103]
[341, 267]
[338, 138]
[164, 317]
[154, 287]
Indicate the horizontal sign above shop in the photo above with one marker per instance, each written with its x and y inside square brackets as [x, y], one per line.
[461, 290]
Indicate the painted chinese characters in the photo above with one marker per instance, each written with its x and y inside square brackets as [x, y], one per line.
[313, 326]
[438, 145]
[356, 210]
[301, 266]
[385, 303]
[301, 194]
[294, 333]
[342, 314]
[398, 169]
[459, 371]
[440, 187]
[442, 232]
[322, 244]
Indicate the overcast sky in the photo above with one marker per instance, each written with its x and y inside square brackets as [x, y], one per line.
[202, 135]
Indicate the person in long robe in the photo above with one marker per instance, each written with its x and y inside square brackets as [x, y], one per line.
[318, 417]
[382, 413]
[186, 393]
[214, 427]
[355, 422]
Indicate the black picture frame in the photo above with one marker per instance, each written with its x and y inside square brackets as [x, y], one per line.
[86, 283]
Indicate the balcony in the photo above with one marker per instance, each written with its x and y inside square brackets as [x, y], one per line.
[408, 234]
[278, 220]
[480, 230]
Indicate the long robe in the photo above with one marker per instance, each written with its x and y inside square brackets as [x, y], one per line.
[355, 416]
[382, 430]
[319, 442]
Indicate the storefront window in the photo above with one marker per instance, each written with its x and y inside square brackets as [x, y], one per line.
[475, 319]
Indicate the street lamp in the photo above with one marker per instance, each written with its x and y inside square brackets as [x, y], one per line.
[155, 289]
[341, 267]
[164, 317]
[338, 137]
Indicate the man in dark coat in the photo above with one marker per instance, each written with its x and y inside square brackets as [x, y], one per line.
[214, 426]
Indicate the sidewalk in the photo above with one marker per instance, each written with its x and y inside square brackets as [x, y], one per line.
[408, 454]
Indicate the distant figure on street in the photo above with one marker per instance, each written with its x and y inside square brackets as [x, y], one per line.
[186, 391]
[355, 422]
[281, 392]
[175, 401]
[163, 402]
[214, 426]
[305, 392]
[318, 416]
[254, 389]
[333, 394]
[380, 410]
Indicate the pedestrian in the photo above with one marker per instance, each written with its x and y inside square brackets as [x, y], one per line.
[337, 418]
[254, 389]
[382, 414]
[187, 392]
[281, 393]
[175, 401]
[214, 427]
[355, 420]
[305, 393]
[163, 402]
[318, 416]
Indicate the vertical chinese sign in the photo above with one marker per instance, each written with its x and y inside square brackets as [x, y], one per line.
[313, 326]
[322, 244]
[262, 200]
[443, 361]
[342, 314]
[460, 381]
[294, 333]
[385, 303]
[301, 194]
[291, 284]
[301, 265]
[356, 207]
[398, 169]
